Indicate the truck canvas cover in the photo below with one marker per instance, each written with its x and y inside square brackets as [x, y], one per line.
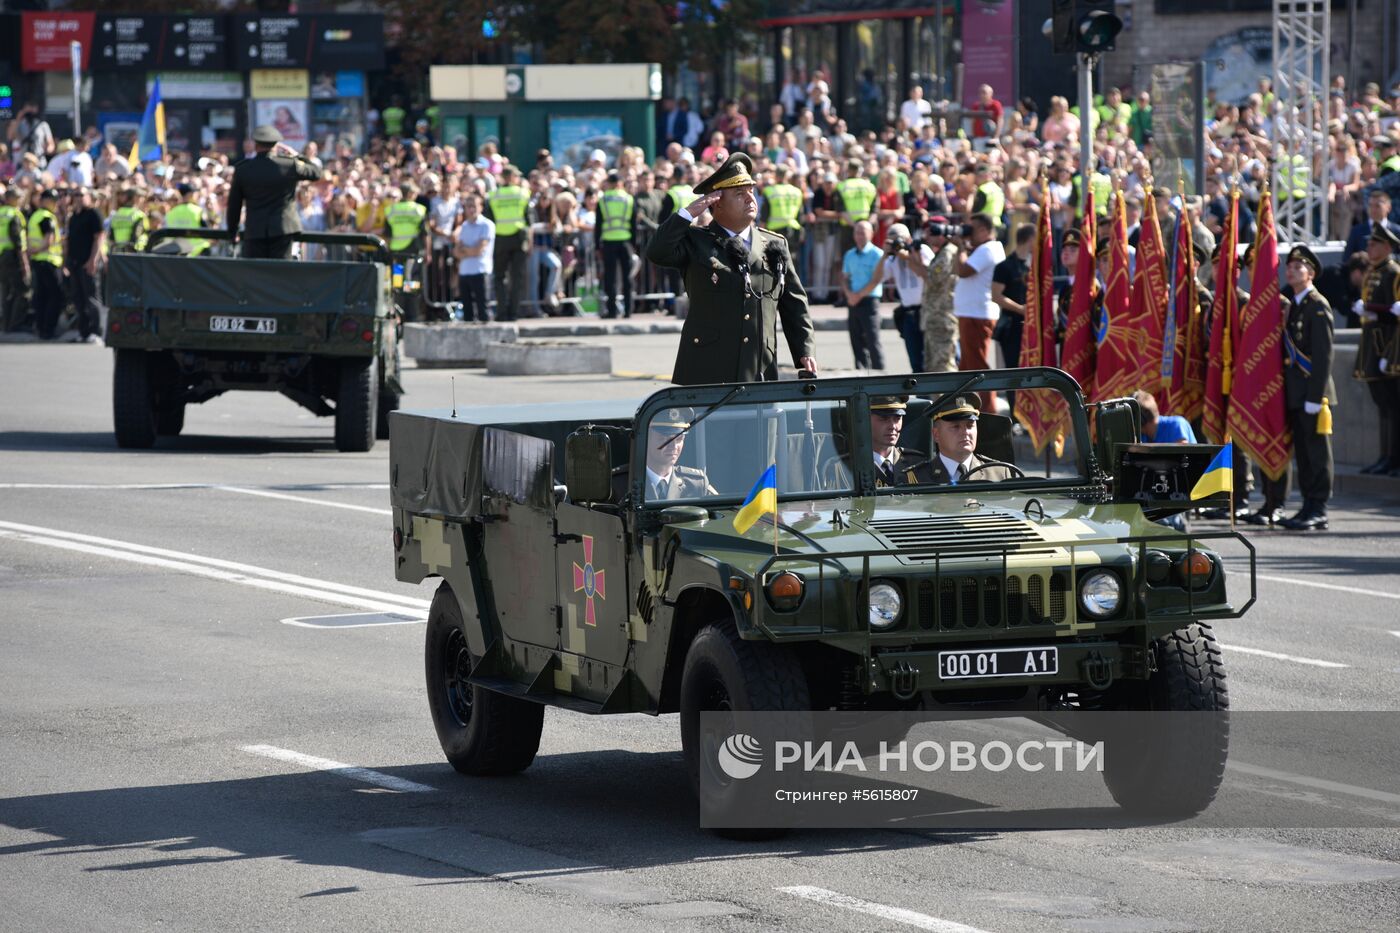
[242, 286]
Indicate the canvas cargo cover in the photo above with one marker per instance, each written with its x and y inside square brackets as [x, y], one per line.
[241, 286]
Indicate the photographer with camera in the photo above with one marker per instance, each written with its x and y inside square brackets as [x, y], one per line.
[911, 262]
[978, 256]
[936, 318]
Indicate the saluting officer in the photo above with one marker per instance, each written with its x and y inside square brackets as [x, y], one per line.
[268, 184]
[614, 232]
[740, 279]
[1308, 388]
[505, 207]
[1377, 359]
[14, 264]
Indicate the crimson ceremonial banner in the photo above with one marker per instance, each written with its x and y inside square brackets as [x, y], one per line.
[1077, 358]
[1223, 324]
[1184, 337]
[1131, 350]
[1042, 413]
[1257, 419]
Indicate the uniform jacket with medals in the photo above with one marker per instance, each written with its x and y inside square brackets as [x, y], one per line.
[914, 468]
[1307, 362]
[729, 336]
[1380, 331]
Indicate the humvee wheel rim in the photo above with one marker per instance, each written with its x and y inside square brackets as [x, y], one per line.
[457, 667]
[714, 697]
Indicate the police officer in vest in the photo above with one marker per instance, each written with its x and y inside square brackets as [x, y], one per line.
[505, 207]
[857, 196]
[1308, 388]
[990, 199]
[614, 232]
[1386, 159]
[14, 264]
[188, 215]
[128, 224]
[403, 224]
[267, 183]
[782, 204]
[1377, 362]
[45, 260]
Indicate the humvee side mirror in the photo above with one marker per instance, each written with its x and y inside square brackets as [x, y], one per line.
[588, 465]
[1119, 422]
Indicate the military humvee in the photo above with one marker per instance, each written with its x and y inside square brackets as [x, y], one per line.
[187, 329]
[566, 582]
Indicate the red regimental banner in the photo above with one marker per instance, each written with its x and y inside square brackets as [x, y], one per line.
[1078, 356]
[1042, 413]
[1219, 359]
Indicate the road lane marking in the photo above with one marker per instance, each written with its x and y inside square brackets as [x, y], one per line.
[1317, 584]
[1303, 780]
[883, 911]
[1396, 634]
[356, 620]
[1279, 656]
[219, 487]
[363, 775]
[268, 494]
[214, 568]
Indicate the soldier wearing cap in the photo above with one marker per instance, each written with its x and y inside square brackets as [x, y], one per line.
[1378, 354]
[665, 477]
[1069, 258]
[955, 444]
[267, 184]
[1308, 388]
[740, 279]
[894, 465]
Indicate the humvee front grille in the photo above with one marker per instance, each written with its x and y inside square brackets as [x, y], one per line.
[952, 603]
[988, 533]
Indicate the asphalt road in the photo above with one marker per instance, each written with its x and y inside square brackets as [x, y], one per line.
[178, 715]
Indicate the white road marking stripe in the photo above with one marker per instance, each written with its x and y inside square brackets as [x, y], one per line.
[247, 491]
[381, 599]
[883, 911]
[363, 775]
[160, 486]
[1316, 783]
[1317, 584]
[1278, 656]
[1396, 634]
[357, 620]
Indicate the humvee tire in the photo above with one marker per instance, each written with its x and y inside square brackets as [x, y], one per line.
[1176, 773]
[170, 420]
[133, 400]
[357, 405]
[389, 400]
[482, 732]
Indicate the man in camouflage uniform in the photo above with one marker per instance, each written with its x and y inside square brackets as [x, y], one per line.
[939, 324]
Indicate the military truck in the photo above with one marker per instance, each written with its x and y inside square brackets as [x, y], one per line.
[565, 581]
[188, 329]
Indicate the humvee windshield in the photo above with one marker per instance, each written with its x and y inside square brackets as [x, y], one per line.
[815, 443]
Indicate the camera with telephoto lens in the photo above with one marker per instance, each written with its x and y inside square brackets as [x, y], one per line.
[934, 228]
[895, 243]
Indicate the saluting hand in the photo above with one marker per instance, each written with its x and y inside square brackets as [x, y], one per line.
[701, 204]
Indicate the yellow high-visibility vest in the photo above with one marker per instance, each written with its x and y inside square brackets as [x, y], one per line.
[188, 217]
[405, 220]
[784, 205]
[615, 208]
[11, 217]
[508, 205]
[126, 222]
[857, 196]
[50, 254]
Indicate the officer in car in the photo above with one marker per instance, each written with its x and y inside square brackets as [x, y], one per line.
[665, 477]
[894, 465]
[955, 441]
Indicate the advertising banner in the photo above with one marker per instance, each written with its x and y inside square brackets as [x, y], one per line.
[146, 43]
[288, 116]
[200, 85]
[989, 49]
[278, 82]
[324, 41]
[46, 37]
[571, 139]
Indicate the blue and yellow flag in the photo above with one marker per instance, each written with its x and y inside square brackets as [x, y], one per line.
[1219, 476]
[762, 500]
[149, 144]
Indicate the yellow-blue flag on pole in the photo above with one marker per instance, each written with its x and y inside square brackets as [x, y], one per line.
[149, 144]
[1219, 476]
[762, 500]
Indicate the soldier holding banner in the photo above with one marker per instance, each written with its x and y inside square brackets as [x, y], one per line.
[1378, 354]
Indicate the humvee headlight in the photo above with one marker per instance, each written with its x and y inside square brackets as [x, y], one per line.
[885, 605]
[785, 591]
[1100, 593]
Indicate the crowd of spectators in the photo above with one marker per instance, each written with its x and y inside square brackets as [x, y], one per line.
[932, 164]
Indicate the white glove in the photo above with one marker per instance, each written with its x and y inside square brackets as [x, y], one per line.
[1395, 309]
[1357, 307]
[1384, 364]
[1312, 408]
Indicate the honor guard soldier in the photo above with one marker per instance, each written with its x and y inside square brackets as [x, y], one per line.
[1378, 354]
[45, 261]
[782, 203]
[858, 197]
[741, 280]
[505, 207]
[128, 223]
[14, 264]
[1308, 388]
[267, 184]
[1069, 258]
[187, 215]
[614, 232]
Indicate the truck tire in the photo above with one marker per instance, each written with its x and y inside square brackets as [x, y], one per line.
[481, 732]
[725, 673]
[356, 405]
[1174, 770]
[388, 401]
[133, 400]
[170, 420]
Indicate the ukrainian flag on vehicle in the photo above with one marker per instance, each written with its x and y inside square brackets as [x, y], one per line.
[1219, 476]
[762, 500]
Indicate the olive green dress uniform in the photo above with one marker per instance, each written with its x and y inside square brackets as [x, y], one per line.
[1380, 342]
[14, 293]
[904, 467]
[731, 331]
[964, 408]
[1307, 377]
[267, 184]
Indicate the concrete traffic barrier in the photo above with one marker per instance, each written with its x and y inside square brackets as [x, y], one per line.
[547, 358]
[454, 344]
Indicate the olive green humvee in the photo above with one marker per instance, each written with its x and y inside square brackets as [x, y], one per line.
[566, 582]
[188, 329]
